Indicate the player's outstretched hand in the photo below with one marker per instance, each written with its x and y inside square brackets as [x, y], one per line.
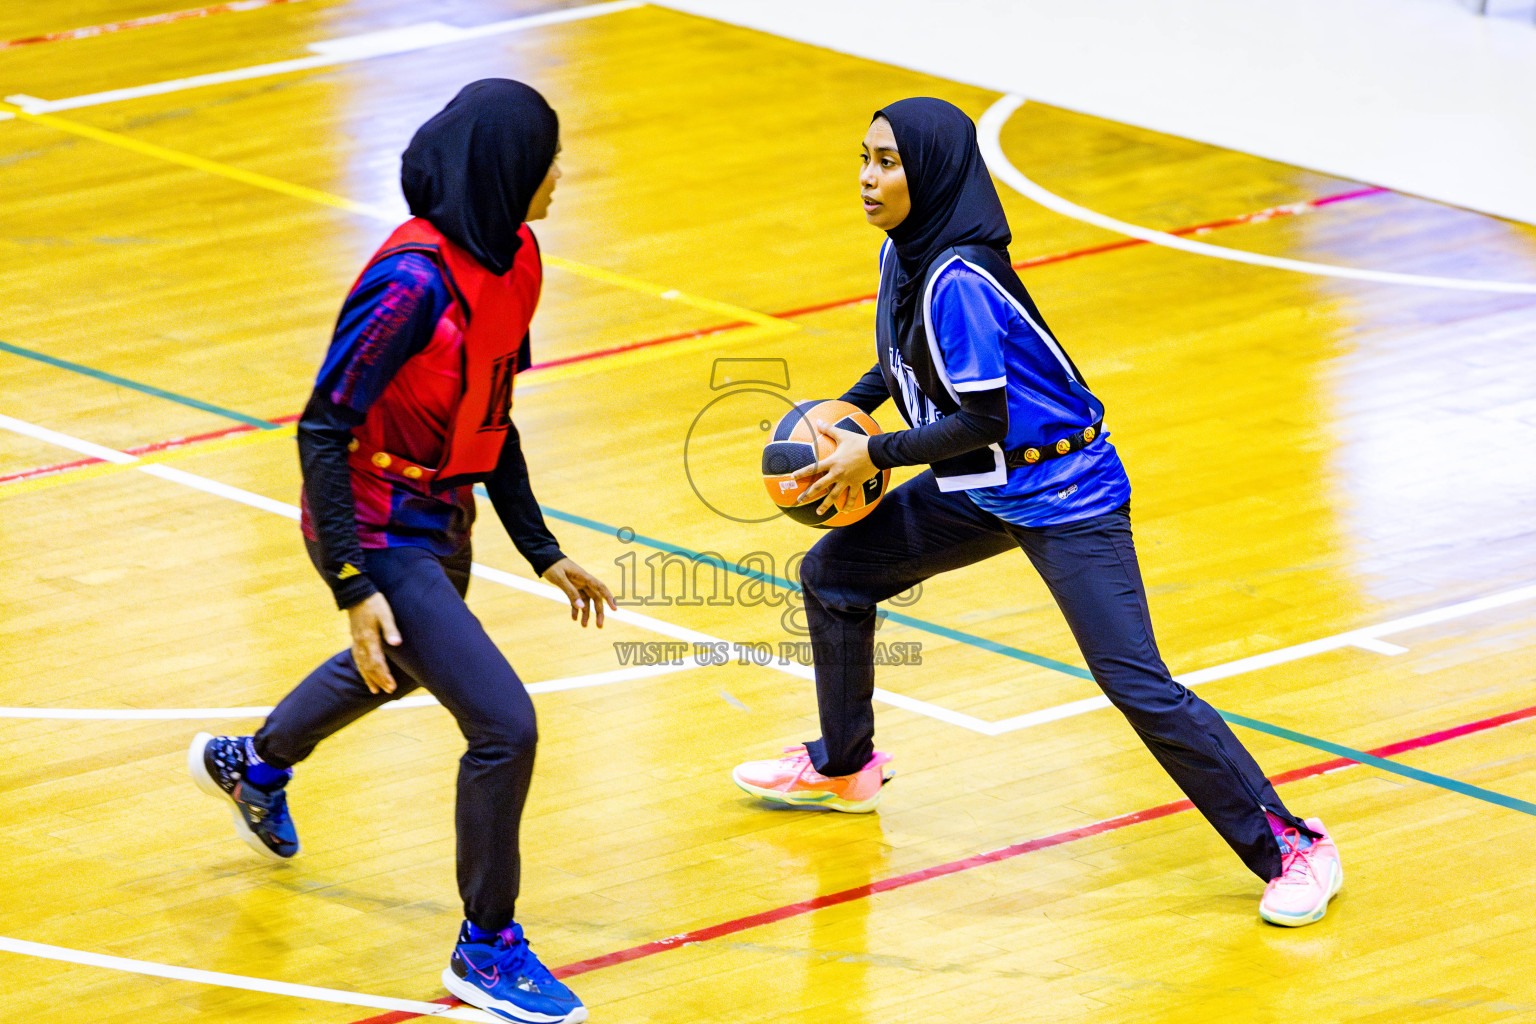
[372, 620]
[584, 590]
[843, 471]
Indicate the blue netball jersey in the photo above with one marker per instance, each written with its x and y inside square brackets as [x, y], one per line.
[987, 340]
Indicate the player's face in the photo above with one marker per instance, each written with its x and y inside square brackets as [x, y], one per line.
[882, 180]
[538, 208]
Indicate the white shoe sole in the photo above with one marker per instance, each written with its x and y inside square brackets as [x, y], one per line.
[825, 801]
[1335, 885]
[475, 996]
[198, 769]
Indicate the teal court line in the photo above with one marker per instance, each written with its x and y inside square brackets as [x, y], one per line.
[1465, 789]
[591, 524]
[1360, 756]
[753, 574]
[90, 371]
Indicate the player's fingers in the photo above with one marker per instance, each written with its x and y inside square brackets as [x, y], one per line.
[805, 471]
[836, 433]
[386, 679]
[818, 487]
[381, 674]
[387, 627]
[834, 496]
[365, 655]
[571, 593]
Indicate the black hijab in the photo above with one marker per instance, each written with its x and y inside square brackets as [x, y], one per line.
[472, 170]
[953, 199]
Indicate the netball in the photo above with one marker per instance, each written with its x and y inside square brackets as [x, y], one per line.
[796, 443]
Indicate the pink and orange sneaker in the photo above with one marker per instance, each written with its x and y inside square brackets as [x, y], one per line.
[1310, 876]
[792, 781]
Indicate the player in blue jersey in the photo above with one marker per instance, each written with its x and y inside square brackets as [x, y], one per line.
[1018, 458]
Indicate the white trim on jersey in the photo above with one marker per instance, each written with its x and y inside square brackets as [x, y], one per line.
[982, 385]
[996, 477]
[933, 341]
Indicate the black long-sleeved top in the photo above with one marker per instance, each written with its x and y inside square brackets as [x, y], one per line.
[324, 433]
[389, 317]
[981, 420]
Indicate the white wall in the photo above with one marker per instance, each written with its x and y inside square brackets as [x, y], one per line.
[1422, 96]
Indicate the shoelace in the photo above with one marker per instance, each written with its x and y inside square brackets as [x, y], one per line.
[1293, 854]
[271, 807]
[801, 759]
[278, 815]
[512, 957]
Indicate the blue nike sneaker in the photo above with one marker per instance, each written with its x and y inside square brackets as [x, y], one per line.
[218, 764]
[502, 976]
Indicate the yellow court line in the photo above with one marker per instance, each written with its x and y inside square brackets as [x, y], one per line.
[66, 476]
[188, 160]
[342, 203]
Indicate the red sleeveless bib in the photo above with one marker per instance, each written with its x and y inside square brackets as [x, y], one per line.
[461, 383]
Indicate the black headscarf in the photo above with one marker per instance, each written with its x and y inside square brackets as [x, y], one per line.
[953, 199]
[472, 170]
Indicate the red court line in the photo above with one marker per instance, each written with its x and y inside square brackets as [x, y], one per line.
[142, 449]
[153, 19]
[859, 892]
[1257, 217]
[632, 346]
[1288, 210]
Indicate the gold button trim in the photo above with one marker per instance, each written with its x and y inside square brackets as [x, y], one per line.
[413, 472]
[381, 460]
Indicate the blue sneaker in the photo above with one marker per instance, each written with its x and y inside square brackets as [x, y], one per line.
[218, 766]
[503, 977]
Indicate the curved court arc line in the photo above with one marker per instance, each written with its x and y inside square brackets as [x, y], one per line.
[989, 130]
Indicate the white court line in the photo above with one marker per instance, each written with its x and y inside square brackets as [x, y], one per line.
[506, 579]
[330, 53]
[990, 126]
[74, 444]
[417, 701]
[276, 988]
[1366, 638]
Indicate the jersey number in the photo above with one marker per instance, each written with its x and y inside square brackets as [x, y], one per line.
[499, 406]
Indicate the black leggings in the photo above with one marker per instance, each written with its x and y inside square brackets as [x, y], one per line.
[1090, 567]
[444, 649]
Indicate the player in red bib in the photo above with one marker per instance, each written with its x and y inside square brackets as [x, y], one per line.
[411, 408]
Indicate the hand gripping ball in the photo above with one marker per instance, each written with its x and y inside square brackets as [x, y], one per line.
[796, 443]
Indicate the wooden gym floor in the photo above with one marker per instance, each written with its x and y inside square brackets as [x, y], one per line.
[1333, 505]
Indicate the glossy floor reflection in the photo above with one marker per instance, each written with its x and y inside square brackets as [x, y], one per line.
[1310, 456]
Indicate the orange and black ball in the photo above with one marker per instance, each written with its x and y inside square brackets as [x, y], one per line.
[796, 443]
